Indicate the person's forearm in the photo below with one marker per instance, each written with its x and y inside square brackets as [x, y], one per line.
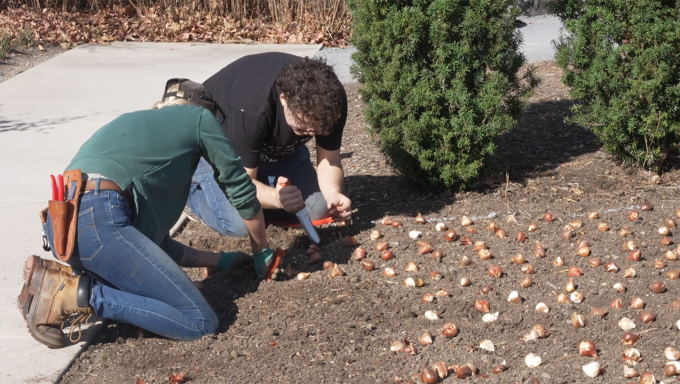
[195, 258]
[267, 196]
[330, 179]
[257, 232]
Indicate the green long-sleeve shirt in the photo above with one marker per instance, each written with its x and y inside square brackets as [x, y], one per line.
[157, 151]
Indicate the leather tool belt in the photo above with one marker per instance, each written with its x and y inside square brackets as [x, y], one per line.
[64, 214]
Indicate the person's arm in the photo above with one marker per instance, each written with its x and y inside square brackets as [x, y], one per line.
[288, 198]
[330, 175]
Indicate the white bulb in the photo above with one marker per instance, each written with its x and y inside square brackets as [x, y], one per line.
[487, 345]
[490, 317]
[431, 315]
[409, 282]
[440, 227]
[671, 353]
[592, 369]
[532, 360]
[627, 324]
[542, 307]
[414, 234]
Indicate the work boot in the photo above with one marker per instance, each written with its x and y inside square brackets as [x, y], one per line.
[56, 296]
[23, 301]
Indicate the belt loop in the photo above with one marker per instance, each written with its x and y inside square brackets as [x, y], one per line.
[96, 188]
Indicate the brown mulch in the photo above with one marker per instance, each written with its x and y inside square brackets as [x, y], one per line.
[341, 329]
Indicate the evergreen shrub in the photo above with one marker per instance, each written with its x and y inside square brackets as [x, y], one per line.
[622, 63]
[441, 82]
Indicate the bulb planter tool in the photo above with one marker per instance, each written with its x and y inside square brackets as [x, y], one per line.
[304, 219]
[278, 255]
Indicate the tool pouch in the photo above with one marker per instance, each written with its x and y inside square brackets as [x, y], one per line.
[64, 215]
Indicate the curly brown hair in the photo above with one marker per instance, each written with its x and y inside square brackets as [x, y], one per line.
[312, 91]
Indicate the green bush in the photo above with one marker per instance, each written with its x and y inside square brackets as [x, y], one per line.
[622, 63]
[441, 82]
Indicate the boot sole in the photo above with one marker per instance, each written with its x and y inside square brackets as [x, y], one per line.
[37, 279]
[25, 298]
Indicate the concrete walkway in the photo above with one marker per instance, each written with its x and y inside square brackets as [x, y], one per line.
[47, 112]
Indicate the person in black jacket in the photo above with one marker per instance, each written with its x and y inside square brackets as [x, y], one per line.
[274, 104]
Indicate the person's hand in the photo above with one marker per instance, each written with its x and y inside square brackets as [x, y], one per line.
[340, 206]
[241, 265]
[263, 260]
[289, 196]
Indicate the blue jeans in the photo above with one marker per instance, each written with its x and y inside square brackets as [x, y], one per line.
[134, 280]
[209, 203]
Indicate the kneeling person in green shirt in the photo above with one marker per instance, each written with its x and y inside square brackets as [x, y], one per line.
[137, 171]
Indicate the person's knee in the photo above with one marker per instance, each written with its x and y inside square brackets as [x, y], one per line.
[211, 325]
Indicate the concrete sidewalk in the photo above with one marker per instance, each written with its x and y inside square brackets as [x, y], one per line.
[47, 112]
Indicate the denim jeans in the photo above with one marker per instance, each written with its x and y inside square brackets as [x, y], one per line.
[208, 202]
[134, 280]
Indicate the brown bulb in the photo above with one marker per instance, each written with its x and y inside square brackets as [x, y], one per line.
[327, 265]
[336, 271]
[485, 289]
[671, 255]
[495, 271]
[539, 250]
[424, 249]
[563, 298]
[479, 245]
[501, 234]
[635, 255]
[482, 306]
[675, 304]
[548, 217]
[471, 230]
[630, 338]
[485, 254]
[527, 269]
[526, 282]
[466, 240]
[367, 265]
[443, 293]
[451, 235]
[570, 286]
[633, 215]
[558, 261]
[428, 298]
[493, 227]
[463, 372]
[350, 242]
[658, 287]
[498, 369]
[567, 233]
[595, 262]
[449, 330]
[593, 215]
[375, 235]
[435, 275]
[387, 255]
[584, 251]
[437, 254]
[520, 237]
[315, 258]
[428, 376]
[465, 282]
[587, 348]
[420, 219]
[670, 223]
[666, 241]
[578, 320]
[673, 275]
[647, 317]
[396, 223]
[518, 259]
[603, 227]
[599, 312]
[616, 303]
[465, 261]
[611, 267]
[386, 221]
[646, 206]
[659, 264]
[574, 271]
[359, 254]
[425, 338]
[637, 303]
[381, 246]
[532, 227]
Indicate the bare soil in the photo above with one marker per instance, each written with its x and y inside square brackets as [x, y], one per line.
[339, 330]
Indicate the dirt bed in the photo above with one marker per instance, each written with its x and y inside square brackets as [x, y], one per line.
[340, 330]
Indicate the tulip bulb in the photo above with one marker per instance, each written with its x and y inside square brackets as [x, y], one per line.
[428, 298]
[381, 246]
[592, 369]
[630, 372]
[659, 264]
[658, 287]
[558, 261]
[532, 360]
[542, 307]
[432, 315]
[616, 303]
[451, 235]
[672, 368]
[487, 345]
[626, 324]
[646, 206]
[484, 254]
[637, 303]
[587, 348]
[635, 255]
[440, 227]
[629, 338]
[482, 306]
[466, 221]
[671, 255]
[611, 267]
[520, 237]
[570, 286]
[647, 317]
[367, 265]
[441, 369]
[420, 219]
[671, 353]
[578, 320]
[633, 215]
[532, 227]
[443, 293]
[670, 223]
[632, 356]
[495, 271]
[664, 231]
[603, 227]
[303, 276]
[428, 376]
[593, 215]
[449, 330]
[548, 217]
[577, 297]
[527, 269]
[411, 267]
[539, 250]
[574, 271]
[518, 259]
[414, 235]
[599, 312]
[425, 338]
[465, 261]
[465, 282]
[514, 298]
[490, 317]
[389, 272]
[562, 298]
[479, 245]
[595, 262]
[526, 282]
[630, 273]
[619, 287]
